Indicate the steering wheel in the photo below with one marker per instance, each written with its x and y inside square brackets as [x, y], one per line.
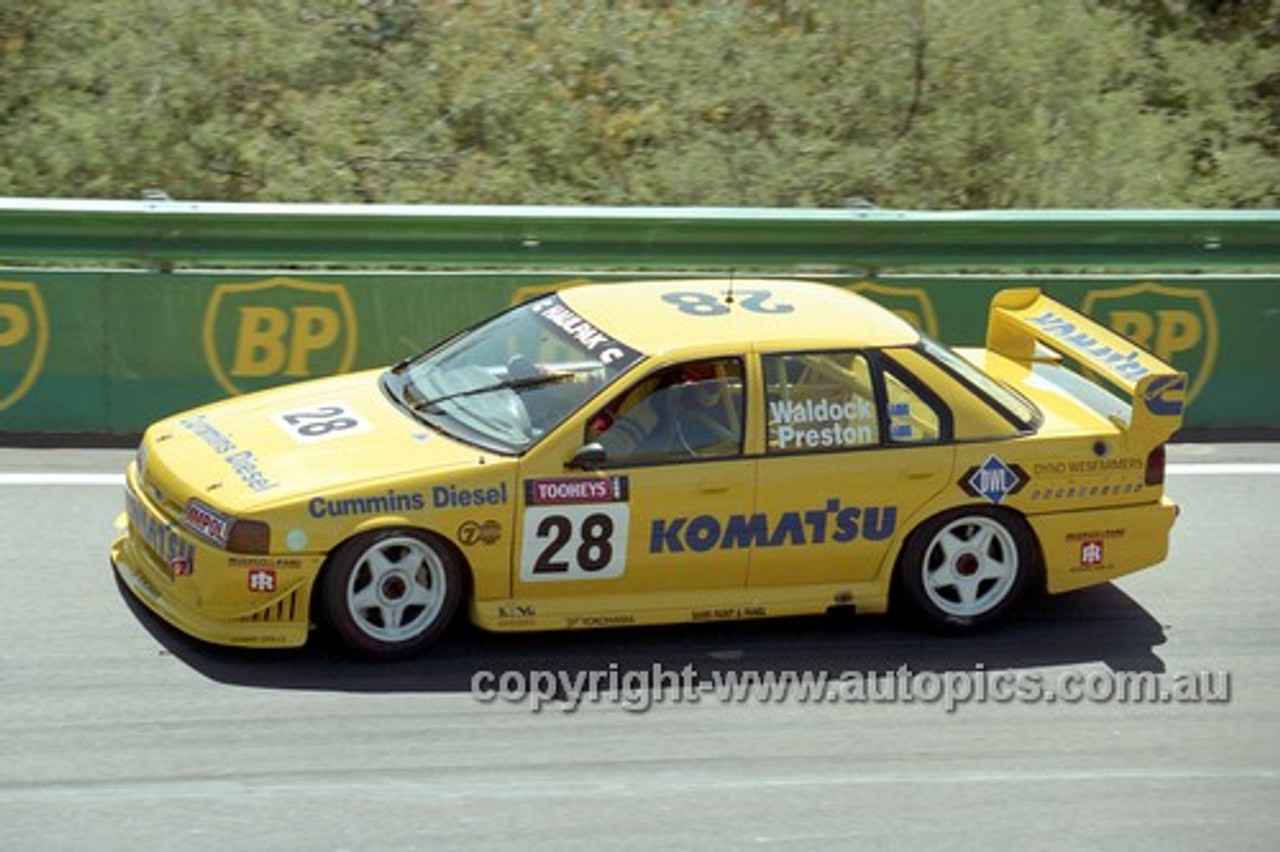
[719, 431]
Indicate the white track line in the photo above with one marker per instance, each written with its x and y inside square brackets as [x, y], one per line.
[117, 479]
[1225, 469]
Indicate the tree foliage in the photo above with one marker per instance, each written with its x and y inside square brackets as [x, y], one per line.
[907, 103]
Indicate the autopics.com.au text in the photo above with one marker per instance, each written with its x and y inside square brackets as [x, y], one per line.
[639, 689]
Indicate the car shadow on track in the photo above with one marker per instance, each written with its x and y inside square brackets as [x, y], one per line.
[1100, 625]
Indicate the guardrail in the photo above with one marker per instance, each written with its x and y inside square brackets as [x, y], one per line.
[162, 233]
[107, 349]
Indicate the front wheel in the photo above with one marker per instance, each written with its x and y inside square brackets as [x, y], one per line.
[967, 568]
[390, 593]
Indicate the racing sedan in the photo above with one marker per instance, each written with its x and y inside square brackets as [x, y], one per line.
[658, 452]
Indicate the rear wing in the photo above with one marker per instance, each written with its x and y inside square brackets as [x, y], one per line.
[1023, 317]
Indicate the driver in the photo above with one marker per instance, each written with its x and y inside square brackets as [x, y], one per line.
[705, 424]
[682, 411]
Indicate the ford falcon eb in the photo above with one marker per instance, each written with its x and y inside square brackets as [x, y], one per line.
[657, 452]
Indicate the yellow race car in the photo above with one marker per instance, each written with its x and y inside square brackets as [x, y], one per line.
[661, 452]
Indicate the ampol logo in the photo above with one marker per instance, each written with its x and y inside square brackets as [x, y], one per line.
[24, 339]
[264, 333]
[1177, 324]
[910, 303]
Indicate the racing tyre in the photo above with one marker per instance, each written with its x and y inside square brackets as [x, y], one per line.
[390, 593]
[967, 568]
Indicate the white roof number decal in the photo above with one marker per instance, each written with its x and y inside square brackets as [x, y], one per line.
[321, 422]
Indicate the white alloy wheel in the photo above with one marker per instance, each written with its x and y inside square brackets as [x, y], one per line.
[390, 594]
[968, 569]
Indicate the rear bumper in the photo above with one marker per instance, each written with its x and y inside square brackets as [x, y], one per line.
[1087, 548]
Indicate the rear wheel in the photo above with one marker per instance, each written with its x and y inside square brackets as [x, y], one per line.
[390, 593]
[967, 568]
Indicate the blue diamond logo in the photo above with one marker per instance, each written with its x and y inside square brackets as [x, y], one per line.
[994, 480]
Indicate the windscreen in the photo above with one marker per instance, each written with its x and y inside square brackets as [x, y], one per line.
[509, 381]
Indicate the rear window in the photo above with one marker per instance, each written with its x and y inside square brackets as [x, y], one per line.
[1016, 406]
[1058, 378]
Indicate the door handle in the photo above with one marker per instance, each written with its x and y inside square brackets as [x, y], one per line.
[713, 487]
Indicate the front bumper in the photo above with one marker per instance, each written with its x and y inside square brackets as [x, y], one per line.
[207, 593]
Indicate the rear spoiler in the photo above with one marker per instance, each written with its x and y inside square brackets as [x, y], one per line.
[1023, 317]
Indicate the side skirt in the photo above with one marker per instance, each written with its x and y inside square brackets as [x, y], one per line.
[589, 611]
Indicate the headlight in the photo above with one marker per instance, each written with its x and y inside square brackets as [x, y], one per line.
[237, 536]
[249, 537]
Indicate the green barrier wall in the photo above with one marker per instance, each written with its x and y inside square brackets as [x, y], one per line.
[108, 351]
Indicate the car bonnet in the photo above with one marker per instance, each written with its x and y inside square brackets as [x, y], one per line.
[293, 443]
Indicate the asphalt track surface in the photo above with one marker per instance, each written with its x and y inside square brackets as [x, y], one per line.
[116, 733]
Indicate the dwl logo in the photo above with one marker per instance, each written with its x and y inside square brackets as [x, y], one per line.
[994, 480]
[264, 333]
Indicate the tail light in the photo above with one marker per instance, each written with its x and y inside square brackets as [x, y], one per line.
[1155, 467]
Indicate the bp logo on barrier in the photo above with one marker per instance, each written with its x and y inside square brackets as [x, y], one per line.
[1177, 324]
[910, 303]
[265, 333]
[24, 339]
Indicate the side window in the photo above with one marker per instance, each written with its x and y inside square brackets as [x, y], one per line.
[912, 420]
[688, 411]
[819, 401]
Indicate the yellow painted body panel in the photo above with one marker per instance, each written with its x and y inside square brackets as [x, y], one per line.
[242, 455]
[1093, 546]
[660, 316]
[880, 492]
[758, 533]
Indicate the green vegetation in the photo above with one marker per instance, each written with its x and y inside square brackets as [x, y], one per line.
[925, 104]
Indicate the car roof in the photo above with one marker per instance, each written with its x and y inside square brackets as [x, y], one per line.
[765, 314]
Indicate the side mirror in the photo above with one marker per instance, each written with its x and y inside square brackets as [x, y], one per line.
[588, 457]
